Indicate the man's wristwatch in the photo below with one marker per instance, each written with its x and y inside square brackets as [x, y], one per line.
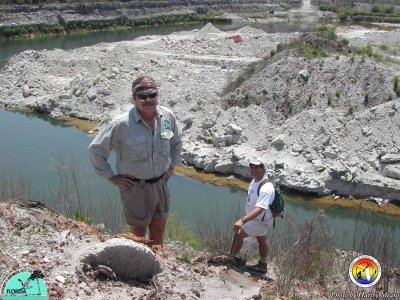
[243, 220]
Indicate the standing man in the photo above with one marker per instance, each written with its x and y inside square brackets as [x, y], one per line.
[258, 215]
[147, 143]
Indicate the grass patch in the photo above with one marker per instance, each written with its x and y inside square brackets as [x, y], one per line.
[311, 52]
[329, 100]
[351, 109]
[82, 217]
[309, 101]
[177, 230]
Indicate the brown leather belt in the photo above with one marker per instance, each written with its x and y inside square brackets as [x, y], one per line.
[151, 180]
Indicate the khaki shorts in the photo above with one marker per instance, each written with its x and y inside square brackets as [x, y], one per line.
[255, 228]
[142, 203]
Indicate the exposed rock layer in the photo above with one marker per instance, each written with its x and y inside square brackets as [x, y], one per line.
[64, 13]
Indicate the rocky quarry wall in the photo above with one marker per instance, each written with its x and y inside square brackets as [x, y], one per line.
[315, 147]
[64, 13]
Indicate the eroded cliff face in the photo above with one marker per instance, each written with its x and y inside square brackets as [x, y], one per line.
[61, 13]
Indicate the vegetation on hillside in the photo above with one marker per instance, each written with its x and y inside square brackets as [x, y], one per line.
[93, 25]
[377, 13]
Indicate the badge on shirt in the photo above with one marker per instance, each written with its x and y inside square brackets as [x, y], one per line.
[166, 124]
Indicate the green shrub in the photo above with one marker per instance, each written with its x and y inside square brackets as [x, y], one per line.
[384, 47]
[327, 7]
[337, 94]
[351, 109]
[390, 97]
[246, 100]
[343, 13]
[388, 9]
[309, 100]
[311, 52]
[258, 102]
[180, 231]
[327, 31]
[366, 50]
[185, 256]
[398, 91]
[290, 108]
[82, 217]
[329, 100]
[378, 57]
[366, 99]
[344, 42]
[396, 80]
[376, 8]
[264, 91]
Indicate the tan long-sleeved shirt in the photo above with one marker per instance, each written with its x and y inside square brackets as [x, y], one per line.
[139, 153]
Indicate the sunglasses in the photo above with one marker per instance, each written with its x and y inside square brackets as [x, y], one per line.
[144, 97]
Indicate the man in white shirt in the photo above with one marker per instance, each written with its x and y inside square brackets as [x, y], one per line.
[258, 215]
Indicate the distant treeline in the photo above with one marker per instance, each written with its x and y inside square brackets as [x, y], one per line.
[377, 13]
[92, 25]
[33, 2]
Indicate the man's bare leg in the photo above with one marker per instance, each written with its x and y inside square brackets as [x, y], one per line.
[138, 232]
[238, 241]
[263, 247]
[157, 229]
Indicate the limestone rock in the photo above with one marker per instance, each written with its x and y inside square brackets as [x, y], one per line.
[233, 129]
[208, 123]
[224, 167]
[278, 142]
[26, 91]
[304, 74]
[390, 158]
[392, 171]
[128, 259]
[91, 94]
[329, 154]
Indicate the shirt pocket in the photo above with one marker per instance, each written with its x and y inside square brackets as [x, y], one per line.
[166, 137]
[136, 148]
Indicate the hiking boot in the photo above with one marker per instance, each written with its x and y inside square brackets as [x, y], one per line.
[259, 267]
[238, 261]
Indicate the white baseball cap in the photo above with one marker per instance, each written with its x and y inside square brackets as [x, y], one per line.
[255, 160]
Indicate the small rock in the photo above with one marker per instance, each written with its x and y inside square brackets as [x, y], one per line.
[92, 94]
[329, 154]
[26, 91]
[279, 140]
[304, 74]
[60, 279]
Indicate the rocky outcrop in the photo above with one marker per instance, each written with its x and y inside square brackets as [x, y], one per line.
[79, 262]
[75, 12]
